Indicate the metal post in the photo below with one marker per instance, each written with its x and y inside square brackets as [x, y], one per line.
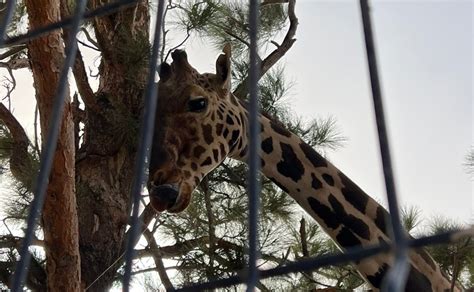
[396, 278]
[146, 136]
[254, 146]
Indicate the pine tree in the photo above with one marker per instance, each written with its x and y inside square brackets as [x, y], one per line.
[209, 239]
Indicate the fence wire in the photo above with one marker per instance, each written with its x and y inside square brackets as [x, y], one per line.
[144, 146]
[399, 245]
[254, 146]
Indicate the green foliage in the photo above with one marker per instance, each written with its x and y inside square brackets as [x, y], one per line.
[210, 237]
[17, 203]
[134, 56]
[222, 22]
[455, 259]
[411, 217]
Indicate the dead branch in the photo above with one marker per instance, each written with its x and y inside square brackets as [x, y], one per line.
[88, 36]
[10, 241]
[16, 63]
[12, 51]
[242, 89]
[10, 84]
[270, 2]
[160, 267]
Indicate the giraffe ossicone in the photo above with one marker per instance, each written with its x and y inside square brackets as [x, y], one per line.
[199, 123]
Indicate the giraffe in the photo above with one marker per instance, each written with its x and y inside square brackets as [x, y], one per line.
[199, 123]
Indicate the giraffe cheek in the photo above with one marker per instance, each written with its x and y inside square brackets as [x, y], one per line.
[181, 204]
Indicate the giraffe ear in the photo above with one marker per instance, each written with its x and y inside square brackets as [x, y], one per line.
[223, 70]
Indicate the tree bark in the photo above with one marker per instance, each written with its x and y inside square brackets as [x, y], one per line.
[60, 222]
[104, 168]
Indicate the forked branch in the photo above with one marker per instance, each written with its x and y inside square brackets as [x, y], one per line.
[242, 89]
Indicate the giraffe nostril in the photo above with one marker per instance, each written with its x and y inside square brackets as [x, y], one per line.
[164, 196]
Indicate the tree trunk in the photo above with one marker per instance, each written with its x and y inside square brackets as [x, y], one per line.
[104, 168]
[60, 222]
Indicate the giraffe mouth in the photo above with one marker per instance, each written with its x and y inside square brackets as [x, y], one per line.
[164, 197]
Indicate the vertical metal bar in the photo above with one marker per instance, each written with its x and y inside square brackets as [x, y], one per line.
[49, 148]
[146, 136]
[6, 20]
[396, 278]
[254, 145]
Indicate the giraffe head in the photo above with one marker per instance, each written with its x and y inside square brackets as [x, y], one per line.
[198, 124]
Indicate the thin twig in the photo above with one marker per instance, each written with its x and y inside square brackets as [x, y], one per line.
[90, 39]
[188, 34]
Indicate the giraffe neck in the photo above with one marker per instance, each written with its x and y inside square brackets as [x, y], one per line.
[346, 213]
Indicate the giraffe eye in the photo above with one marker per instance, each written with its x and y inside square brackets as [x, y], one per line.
[197, 105]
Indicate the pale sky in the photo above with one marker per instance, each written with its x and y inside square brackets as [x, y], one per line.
[425, 60]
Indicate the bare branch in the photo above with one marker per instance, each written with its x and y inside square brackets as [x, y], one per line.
[10, 241]
[10, 84]
[88, 36]
[271, 2]
[12, 51]
[277, 54]
[160, 267]
[16, 63]
[188, 34]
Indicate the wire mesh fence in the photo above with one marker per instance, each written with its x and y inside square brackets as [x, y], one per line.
[400, 243]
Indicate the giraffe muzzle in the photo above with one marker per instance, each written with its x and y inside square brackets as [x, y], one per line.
[164, 197]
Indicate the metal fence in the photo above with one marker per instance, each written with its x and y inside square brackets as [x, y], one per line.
[400, 243]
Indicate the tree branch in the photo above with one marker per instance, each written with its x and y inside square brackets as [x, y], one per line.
[20, 163]
[160, 267]
[242, 89]
[12, 51]
[10, 241]
[270, 2]
[79, 69]
[94, 46]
